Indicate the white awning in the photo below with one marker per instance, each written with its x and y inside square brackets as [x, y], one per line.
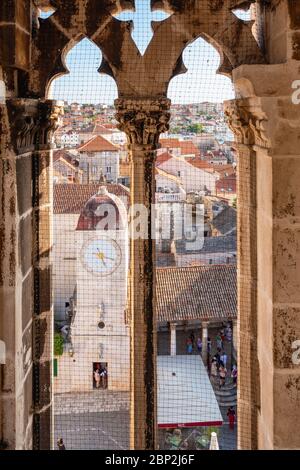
[185, 394]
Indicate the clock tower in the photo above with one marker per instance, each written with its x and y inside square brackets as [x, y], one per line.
[99, 334]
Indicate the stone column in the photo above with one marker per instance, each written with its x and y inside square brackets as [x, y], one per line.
[204, 326]
[173, 339]
[48, 120]
[25, 290]
[246, 121]
[143, 120]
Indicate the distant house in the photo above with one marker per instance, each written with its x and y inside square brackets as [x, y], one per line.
[226, 187]
[215, 250]
[215, 157]
[112, 134]
[179, 148]
[66, 168]
[99, 157]
[224, 223]
[191, 177]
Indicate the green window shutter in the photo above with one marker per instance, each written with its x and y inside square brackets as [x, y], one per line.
[55, 368]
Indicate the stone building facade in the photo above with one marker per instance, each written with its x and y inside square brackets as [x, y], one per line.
[265, 118]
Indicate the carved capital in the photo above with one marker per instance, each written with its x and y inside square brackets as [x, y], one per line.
[49, 120]
[143, 121]
[32, 123]
[246, 120]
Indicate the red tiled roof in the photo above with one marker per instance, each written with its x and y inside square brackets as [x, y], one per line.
[100, 129]
[58, 154]
[162, 158]
[198, 163]
[169, 143]
[97, 144]
[71, 198]
[227, 184]
[206, 293]
[188, 147]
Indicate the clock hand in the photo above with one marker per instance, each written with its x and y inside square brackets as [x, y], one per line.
[111, 259]
[103, 262]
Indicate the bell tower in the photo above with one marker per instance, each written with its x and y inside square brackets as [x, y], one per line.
[99, 334]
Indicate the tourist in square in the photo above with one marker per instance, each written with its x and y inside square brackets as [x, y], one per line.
[214, 369]
[222, 375]
[208, 345]
[199, 345]
[234, 374]
[228, 333]
[97, 378]
[223, 359]
[231, 417]
[60, 444]
[189, 346]
[219, 341]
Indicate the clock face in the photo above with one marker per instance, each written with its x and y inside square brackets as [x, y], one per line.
[101, 256]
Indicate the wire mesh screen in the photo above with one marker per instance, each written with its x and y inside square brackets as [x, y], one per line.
[195, 242]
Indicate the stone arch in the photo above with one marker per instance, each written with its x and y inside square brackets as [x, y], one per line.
[201, 50]
[63, 70]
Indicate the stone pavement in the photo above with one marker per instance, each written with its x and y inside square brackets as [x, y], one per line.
[91, 402]
[100, 419]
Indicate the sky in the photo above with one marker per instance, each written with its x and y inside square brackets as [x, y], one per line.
[85, 85]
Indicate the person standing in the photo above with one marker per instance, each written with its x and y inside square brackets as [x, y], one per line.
[234, 374]
[60, 444]
[214, 369]
[97, 378]
[228, 333]
[189, 346]
[231, 417]
[199, 345]
[223, 359]
[208, 345]
[219, 341]
[103, 375]
[222, 374]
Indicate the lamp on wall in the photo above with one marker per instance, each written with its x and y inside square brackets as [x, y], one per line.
[101, 350]
[100, 311]
[71, 350]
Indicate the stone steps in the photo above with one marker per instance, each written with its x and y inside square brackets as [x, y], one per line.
[227, 395]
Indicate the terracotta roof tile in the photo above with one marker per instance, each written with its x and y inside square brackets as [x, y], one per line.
[71, 198]
[227, 184]
[162, 158]
[206, 293]
[98, 144]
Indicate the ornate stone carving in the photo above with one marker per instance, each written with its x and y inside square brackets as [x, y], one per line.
[23, 114]
[246, 120]
[33, 123]
[49, 117]
[143, 120]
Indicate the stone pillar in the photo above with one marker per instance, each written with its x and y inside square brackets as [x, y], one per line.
[173, 339]
[266, 125]
[24, 288]
[204, 326]
[245, 119]
[48, 120]
[143, 120]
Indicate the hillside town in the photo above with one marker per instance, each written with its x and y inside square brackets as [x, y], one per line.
[195, 169]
